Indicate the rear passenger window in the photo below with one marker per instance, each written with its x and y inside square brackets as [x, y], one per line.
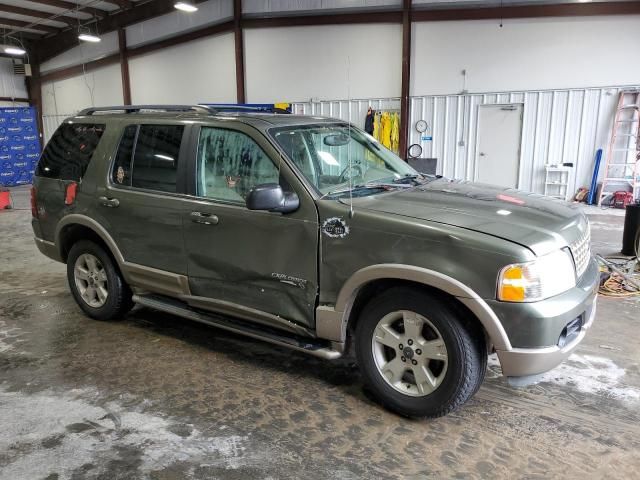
[68, 153]
[121, 174]
[155, 158]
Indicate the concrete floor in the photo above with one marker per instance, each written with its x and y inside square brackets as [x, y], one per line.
[154, 396]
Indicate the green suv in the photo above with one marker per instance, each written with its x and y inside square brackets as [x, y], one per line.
[307, 233]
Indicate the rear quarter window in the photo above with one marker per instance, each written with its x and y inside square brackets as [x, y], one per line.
[69, 152]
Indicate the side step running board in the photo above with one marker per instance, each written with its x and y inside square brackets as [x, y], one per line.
[314, 347]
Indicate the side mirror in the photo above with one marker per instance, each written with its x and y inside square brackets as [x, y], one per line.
[271, 197]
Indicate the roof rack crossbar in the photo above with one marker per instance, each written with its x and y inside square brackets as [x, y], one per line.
[138, 108]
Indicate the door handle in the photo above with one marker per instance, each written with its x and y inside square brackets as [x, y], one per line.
[109, 202]
[204, 218]
[482, 154]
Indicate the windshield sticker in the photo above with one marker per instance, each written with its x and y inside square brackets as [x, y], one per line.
[335, 227]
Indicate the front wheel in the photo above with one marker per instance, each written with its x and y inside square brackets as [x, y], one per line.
[96, 283]
[417, 353]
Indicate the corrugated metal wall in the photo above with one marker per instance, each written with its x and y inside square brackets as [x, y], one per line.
[558, 126]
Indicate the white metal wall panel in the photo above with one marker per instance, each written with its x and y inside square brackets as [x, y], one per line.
[558, 126]
[209, 13]
[61, 99]
[259, 7]
[322, 62]
[11, 85]
[84, 52]
[202, 71]
[525, 54]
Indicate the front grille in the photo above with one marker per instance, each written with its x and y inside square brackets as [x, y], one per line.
[581, 251]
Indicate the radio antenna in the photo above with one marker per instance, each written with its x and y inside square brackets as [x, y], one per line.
[349, 142]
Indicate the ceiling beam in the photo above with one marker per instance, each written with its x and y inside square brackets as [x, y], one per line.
[28, 12]
[394, 16]
[20, 24]
[528, 11]
[120, 3]
[64, 4]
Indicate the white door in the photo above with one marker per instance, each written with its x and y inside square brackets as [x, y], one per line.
[499, 136]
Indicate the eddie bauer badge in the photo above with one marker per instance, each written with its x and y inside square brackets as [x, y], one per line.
[335, 227]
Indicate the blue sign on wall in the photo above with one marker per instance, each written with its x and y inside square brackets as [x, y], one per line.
[19, 145]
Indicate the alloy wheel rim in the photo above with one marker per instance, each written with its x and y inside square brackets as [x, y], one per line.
[409, 353]
[91, 280]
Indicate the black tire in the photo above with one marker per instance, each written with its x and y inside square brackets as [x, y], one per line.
[465, 348]
[118, 301]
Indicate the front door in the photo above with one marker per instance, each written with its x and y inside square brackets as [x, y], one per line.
[256, 264]
[499, 137]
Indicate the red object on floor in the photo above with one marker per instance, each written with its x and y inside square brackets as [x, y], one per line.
[5, 200]
[621, 199]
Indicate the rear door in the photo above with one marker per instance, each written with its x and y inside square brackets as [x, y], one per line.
[262, 265]
[142, 200]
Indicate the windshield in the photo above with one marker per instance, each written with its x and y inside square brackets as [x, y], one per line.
[334, 157]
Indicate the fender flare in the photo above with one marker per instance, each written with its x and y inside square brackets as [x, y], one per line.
[77, 219]
[331, 322]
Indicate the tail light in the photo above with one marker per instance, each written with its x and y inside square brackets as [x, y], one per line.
[34, 203]
[70, 193]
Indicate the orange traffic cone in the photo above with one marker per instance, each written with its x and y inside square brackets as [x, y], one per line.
[5, 200]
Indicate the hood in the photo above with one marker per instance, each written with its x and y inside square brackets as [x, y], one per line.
[540, 223]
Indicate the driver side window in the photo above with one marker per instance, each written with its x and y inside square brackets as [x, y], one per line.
[231, 163]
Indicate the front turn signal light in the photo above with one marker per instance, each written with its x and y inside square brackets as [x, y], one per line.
[512, 284]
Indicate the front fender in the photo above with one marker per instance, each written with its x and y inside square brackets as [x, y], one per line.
[331, 322]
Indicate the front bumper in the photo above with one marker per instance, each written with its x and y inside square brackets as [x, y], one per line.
[579, 303]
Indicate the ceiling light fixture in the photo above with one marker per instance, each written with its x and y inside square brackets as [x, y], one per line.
[86, 35]
[185, 6]
[89, 37]
[14, 50]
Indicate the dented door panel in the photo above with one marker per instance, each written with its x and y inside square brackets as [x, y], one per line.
[248, 258]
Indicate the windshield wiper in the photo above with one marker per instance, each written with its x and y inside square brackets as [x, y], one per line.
[367, 186]
[415, 177]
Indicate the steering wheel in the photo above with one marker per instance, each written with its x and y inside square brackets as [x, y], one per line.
[344, 177]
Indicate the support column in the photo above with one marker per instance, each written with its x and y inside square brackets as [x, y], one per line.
[124, 66]
[34, 91]
[406, 72]
[239, 42]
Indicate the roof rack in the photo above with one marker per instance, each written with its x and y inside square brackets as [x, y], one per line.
[138, 108]
[251, 108]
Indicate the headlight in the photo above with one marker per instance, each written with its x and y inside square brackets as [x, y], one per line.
[532, 281]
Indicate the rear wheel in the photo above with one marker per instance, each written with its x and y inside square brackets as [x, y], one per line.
[96, 283]
[418, 354]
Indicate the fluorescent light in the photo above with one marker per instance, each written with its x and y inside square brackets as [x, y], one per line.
[14, 50]
[185, 6]
[89, 37]
[164, 157]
